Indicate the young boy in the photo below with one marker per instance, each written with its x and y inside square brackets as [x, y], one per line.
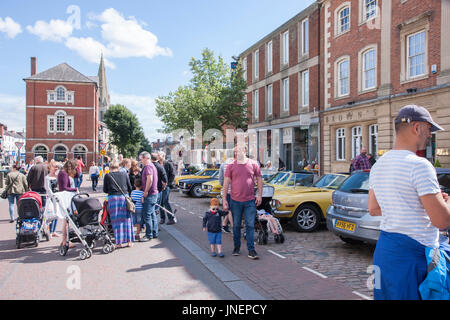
[212, 221]
[137, 196]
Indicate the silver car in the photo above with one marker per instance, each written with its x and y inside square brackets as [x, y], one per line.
[348, 215]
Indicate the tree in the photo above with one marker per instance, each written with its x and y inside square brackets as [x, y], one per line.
[126, 131]
[145, 146]
[213, 96]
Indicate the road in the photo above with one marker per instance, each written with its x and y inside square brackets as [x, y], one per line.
[178, 266]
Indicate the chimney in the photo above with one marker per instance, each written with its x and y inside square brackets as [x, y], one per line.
[33, 66]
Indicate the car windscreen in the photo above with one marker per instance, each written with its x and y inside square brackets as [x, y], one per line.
[280, 176]
[330, 181]
[208, 173]
[358, 182]
[301, 179]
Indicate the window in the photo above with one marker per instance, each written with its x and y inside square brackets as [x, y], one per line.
[69, 97]
[286, 47]
[69, 125]
[373, 140]
[344, 20]
[60, 94]
[256, 104]
[305, 88]
[52, 97]
[369, 69]
[340, 144]
[305, 36]
[286, 94]
[356, 141]
[343, 78]
[80, 150]
[51, 125]
[41, 150]
[244, 68]
[245, 104]
[270, 57]
[370, 9]
[60, 153]
[60, 122]
[416, 54]
[269, 99]
[256, 64]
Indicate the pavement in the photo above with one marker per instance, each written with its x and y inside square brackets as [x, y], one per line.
[177, 265]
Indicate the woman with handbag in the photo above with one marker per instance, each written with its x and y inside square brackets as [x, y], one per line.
[51, 186]
[117, 185]
[16, 185]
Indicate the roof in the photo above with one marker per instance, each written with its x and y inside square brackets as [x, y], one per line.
[62, 72]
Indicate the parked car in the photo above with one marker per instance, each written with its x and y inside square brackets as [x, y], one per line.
[288, 179]
[306, 206]
[193, 186]
[205, 173]
[211, 189]
[348, 215]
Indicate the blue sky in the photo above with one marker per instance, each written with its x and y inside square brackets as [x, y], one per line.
[147, 44]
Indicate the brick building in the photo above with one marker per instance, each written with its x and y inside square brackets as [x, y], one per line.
[377, 57]
[336, 75]
[63, 112]
[282, 73]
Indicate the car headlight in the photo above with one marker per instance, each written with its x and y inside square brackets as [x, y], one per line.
[209, 188]
[275, 204]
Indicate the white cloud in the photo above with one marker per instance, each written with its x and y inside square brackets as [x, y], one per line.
[55, 30]
[89, 49]
[12, 109]
[10, 27]
[145, 109]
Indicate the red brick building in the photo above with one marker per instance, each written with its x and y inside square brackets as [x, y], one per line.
[282, 73]
[62, 113]
[377, 57]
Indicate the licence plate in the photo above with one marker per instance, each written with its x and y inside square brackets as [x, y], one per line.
[180, 191]
[345, 225]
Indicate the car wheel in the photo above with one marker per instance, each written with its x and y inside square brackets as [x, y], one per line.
[196, 191]
[306, 218]
[350, 240]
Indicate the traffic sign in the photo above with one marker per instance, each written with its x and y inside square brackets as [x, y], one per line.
[19, 145]
[103, 145]
[102, 152]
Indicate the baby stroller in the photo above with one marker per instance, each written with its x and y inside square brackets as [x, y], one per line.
[31, 225]
[85, 226]
[266, 225]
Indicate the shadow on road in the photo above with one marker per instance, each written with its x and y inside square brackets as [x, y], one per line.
[171, 263]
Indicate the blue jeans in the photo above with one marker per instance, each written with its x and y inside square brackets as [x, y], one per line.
[78, 181]
[165, 204]
[11, 198]
[248, 209]
[149, 216]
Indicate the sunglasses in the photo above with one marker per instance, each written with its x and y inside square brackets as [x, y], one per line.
[215, 209]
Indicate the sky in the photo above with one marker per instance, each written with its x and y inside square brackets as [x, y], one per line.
[147, 44]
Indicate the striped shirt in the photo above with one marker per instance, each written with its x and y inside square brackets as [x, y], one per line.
[136, 196]
[399, 178]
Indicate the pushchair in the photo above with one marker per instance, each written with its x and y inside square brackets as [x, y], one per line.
[31, 225]
[83, 226]
[266, 225]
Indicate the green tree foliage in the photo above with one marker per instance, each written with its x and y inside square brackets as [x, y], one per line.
[126, 131]
[213, 96]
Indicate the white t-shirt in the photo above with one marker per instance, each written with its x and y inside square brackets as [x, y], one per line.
[399, 178]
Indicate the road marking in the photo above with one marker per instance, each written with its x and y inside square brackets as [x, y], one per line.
[277, 254]
[362, 295]
[191, 212]
[183, 208]
[315, 272]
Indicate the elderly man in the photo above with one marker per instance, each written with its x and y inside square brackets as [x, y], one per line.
[361, 162]
[150, 188]
[170, 172]
[404, 191]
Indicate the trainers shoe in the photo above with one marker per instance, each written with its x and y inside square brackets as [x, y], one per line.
[221, 255]
[253, 255]
[145, 239]
[171, 222]
[213, 254]
[236, 252]
[226, 229]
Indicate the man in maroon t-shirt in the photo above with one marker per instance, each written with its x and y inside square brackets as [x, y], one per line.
[150, 188]
[241, 175]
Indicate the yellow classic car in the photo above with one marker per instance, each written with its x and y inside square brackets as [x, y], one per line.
[211, 189]
[288, 179]
[205, 173]
[306, 207]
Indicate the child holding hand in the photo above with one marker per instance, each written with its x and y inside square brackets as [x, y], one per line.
[212, 222]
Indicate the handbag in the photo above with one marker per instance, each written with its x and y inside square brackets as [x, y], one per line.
[4, 194]
[131, 206]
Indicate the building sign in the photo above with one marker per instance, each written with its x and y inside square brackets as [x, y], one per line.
[348, 116]
[287, 135]
[305, 119]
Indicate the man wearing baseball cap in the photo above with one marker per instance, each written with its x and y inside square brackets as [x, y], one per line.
[404, 191]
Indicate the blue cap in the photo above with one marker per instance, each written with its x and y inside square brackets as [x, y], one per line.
[412, 112]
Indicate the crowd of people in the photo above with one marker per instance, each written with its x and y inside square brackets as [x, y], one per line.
[147, 182]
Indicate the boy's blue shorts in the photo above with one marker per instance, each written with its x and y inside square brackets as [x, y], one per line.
[138, 217]
[215, 237]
